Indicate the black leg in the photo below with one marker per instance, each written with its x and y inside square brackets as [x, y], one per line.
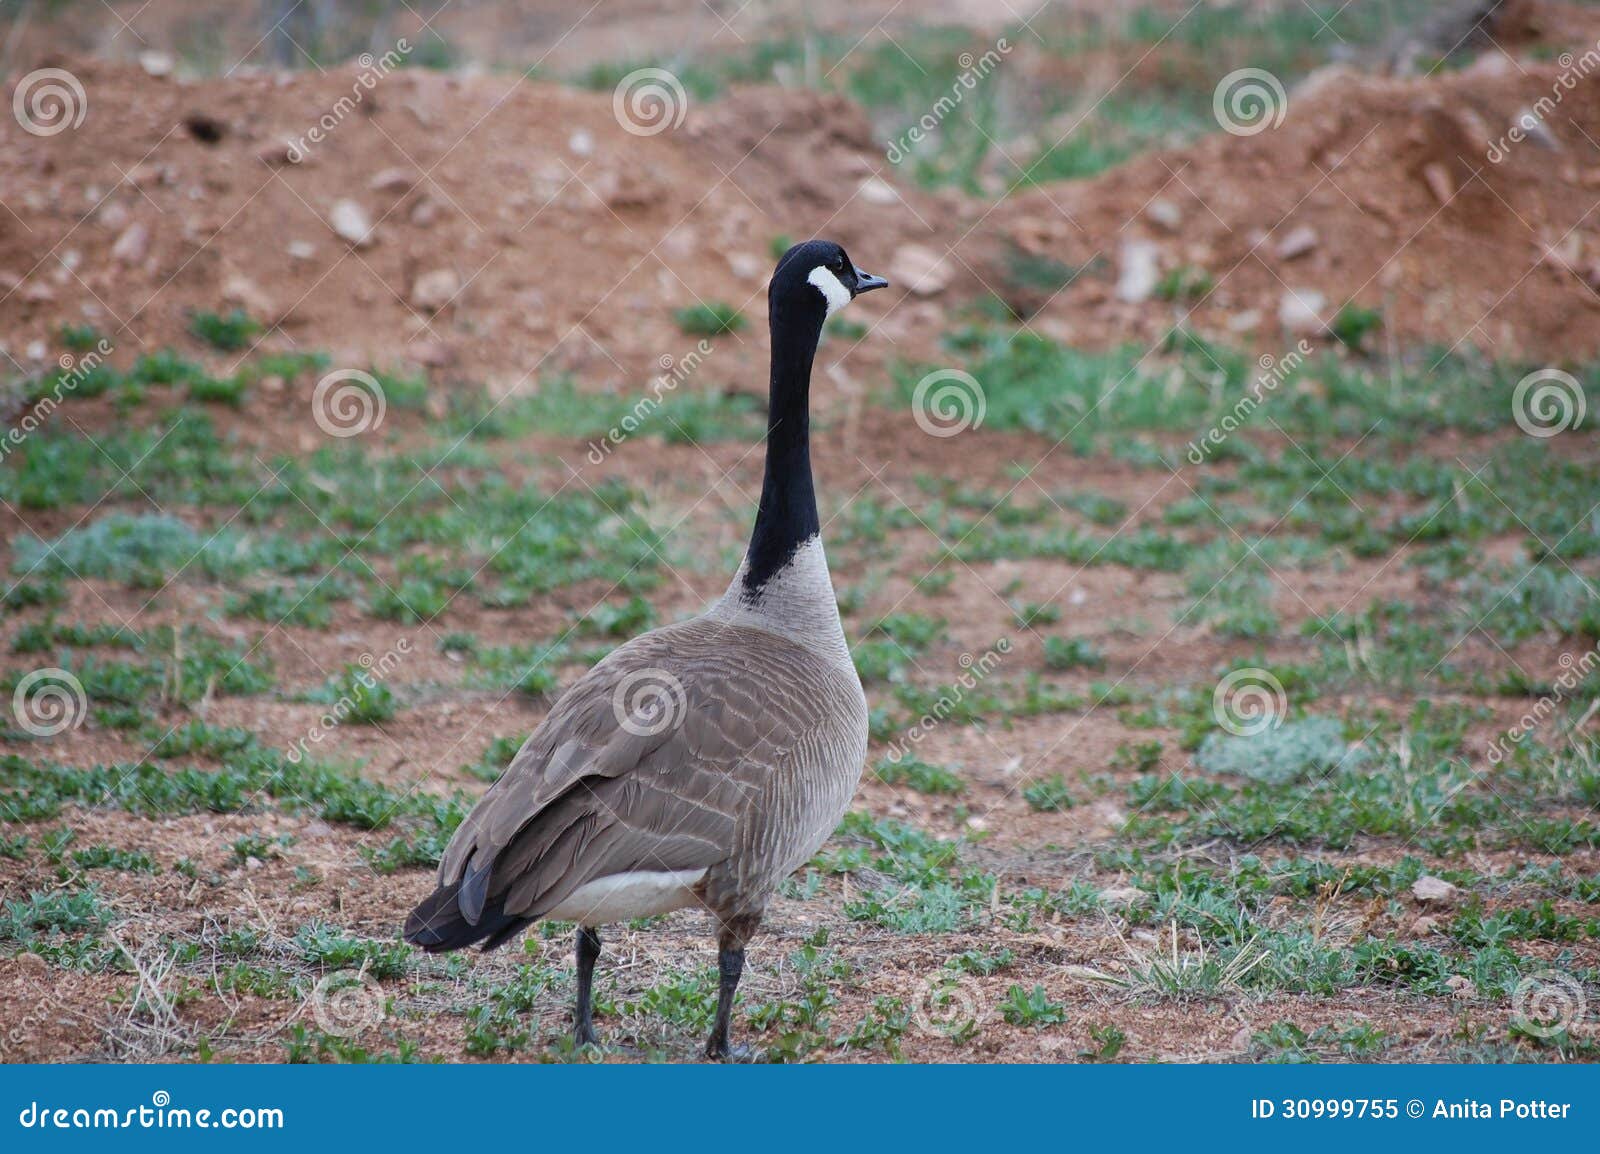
[730, 965]
[583, 1016]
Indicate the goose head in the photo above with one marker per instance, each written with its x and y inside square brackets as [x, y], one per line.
[818, 277]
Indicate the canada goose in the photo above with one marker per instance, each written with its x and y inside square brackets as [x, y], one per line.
[703, 762]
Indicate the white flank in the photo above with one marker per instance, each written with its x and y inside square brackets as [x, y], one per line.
[830, 287]
[623, 897]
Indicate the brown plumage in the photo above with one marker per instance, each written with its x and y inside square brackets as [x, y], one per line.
[698, 764]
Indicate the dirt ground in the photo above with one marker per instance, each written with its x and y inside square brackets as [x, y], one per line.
[1058, 902]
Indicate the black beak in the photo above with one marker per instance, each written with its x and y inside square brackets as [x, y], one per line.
[866, 282]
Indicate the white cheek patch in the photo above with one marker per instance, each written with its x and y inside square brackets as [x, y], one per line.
[830, 287]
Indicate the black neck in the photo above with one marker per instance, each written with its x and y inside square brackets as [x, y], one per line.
[787, 517]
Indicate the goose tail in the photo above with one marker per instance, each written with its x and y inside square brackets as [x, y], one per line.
[437, 925]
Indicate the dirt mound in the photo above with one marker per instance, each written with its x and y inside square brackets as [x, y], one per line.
[1460, 206]
[499, 229]
[483, 225]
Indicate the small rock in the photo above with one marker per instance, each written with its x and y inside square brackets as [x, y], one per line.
[1138, 270]
[431, 291]
[38, 293]
[351, 223]
[1432, 889]
[1247, 321]
[922, 271]
[280, 153]
[1534, 127]
[156, 63]
[392, 180]
[132, 245]
[581, 142]
[1424, 926]
[37, 350]
[1298, 242]
[875, 190]
[431, 353]
[424, 212]
[252, 863]
[746, 266]
[301, 249]
[1300, 311]
[1163, 212]
[242, 291]
[112, 214]
[1439, 182]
